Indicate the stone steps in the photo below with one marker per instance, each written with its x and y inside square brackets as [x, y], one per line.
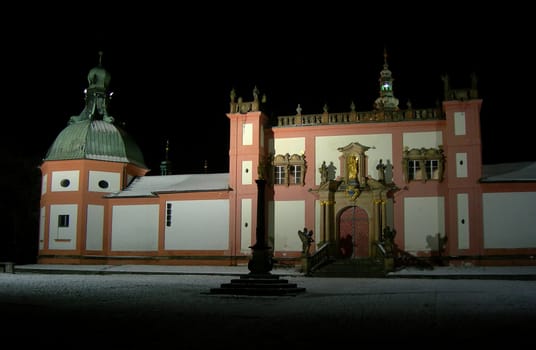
[352, 268]
[258, 284]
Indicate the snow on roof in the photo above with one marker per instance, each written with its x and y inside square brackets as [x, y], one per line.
[509, 172]
[147, 186]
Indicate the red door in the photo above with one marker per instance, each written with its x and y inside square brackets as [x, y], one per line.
[354, 233]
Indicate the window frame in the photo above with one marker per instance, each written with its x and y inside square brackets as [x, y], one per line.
[423, 164]
[289, 170]
[63, 220]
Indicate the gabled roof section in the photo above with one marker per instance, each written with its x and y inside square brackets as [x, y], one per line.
[509, 172]
[151, 186]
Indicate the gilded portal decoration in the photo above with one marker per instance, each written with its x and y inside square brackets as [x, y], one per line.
[354, 163]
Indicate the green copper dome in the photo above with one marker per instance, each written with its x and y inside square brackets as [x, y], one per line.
[92, 134]
[95, 139]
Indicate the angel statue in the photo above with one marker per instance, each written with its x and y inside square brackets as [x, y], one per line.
[307, 238]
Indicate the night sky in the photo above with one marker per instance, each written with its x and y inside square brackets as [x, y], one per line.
[172, 73]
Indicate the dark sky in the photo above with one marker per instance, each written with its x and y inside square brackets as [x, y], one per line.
[172, 72]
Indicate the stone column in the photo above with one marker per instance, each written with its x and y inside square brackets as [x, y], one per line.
[261, 260]
[330, 217]
[323, 225]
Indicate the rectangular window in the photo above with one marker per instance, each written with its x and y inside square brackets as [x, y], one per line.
[168, 214]
[414, 170]
[423, 164]
[295, 175]
[280, 175]
[63, 220]
[288, 169]
[432, 169]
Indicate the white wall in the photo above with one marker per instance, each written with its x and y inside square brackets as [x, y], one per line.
[424, 218]
[247, 134]
[135, 227]
[95, 227]
[427, 139]
[509, 220]
[290, 145]
[42, 217]
[287, 218]
[463, 220]
[459, 123]
[113, 180]
[246, 226]
[327, 150]
[73, 176]
[198, 225]
[62, 237]
[247, 172]
[461, 165]
[44, 182]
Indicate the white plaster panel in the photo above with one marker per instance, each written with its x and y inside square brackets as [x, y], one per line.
[198, 225]
[95, 227]
[247, 134]
[509, 219]
[72, 176]
[427, 139]
[289, 217]
[424, 218]
[135, 227]
[112, 179]
[247, 172]
[463, 220]
[44, 183]
[246, 226]
[461, 165]
[459, 123]
[62, 237]
[42, 221]
[290, 145]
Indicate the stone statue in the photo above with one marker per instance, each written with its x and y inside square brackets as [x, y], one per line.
[388, 234]
[381, 171]
[332, 170]
[307, 238]
[323, 173]
[233, 95]
[446, 86]
[389, 240]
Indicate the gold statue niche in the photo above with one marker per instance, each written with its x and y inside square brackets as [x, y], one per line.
[352, 167]
[354, 164]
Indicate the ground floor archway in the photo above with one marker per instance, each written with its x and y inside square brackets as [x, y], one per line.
[353, 224]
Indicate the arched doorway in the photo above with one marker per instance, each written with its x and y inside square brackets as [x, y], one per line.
[354, 233]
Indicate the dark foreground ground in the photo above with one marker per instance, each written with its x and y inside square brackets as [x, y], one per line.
[179, 312]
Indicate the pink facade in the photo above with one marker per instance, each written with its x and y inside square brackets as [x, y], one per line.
[352, 178]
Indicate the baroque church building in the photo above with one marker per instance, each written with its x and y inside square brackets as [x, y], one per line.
[339, 190]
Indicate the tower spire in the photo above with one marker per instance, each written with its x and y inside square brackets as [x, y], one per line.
[387, 99]
[97, 95]
[165, 164]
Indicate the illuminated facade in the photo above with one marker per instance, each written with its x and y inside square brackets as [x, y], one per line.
[353, 178]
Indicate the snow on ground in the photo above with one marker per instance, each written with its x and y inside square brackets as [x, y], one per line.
[134, 310]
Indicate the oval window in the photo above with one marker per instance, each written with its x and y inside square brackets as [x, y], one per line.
[65, 183]
[103, 184]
